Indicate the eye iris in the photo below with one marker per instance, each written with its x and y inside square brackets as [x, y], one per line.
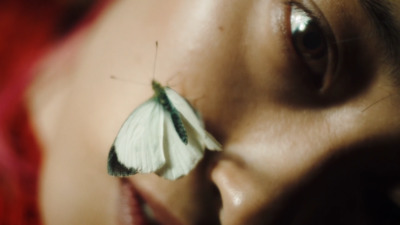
[307, 36]
[309, 42]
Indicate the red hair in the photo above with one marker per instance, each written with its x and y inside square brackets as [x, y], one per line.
[28, 29]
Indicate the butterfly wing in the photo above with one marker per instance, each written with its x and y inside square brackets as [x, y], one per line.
[138, 147]
[180, 158]
[193, 119]
[211, 143]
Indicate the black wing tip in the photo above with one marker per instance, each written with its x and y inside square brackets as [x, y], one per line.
[115, 167]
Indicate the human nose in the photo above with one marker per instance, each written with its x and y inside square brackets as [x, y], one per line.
[242, 190]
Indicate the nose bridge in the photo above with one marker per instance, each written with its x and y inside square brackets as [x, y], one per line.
[242, 191]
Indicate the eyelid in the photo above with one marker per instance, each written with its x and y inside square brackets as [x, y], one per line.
[315, 14]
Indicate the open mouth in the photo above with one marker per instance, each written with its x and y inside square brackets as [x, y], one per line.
[133, 209]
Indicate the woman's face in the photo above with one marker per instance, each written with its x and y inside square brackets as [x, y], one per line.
[283, 85]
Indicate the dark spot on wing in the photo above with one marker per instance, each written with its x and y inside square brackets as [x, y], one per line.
[115, 167]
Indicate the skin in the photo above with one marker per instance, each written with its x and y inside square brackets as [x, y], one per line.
[235, 62]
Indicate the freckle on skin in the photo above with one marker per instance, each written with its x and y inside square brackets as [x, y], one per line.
[221, 28]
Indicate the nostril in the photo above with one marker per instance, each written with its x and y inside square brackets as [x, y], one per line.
[216, 195]
[209, 163]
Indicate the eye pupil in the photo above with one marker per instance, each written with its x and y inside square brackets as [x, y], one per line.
[312, 40]
[313, 44]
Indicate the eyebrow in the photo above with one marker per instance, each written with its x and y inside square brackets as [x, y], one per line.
[383, 18]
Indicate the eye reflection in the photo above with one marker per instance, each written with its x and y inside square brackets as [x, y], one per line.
[309, 42]
[298, 20]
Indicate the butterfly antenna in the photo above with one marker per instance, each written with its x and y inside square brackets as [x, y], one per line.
[155, 61]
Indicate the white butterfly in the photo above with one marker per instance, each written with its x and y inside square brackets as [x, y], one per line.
[165, 135]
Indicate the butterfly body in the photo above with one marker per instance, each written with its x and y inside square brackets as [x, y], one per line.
[162, 98]
[164, 135]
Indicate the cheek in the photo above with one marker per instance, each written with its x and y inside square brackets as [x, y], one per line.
[227, 93]
[262, 156]
[231, 69]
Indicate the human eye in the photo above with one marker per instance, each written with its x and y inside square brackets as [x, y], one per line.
[312, 41]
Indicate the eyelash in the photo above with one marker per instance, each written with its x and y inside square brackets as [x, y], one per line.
[311, 42]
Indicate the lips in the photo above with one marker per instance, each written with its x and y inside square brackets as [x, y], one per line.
[133, 209]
